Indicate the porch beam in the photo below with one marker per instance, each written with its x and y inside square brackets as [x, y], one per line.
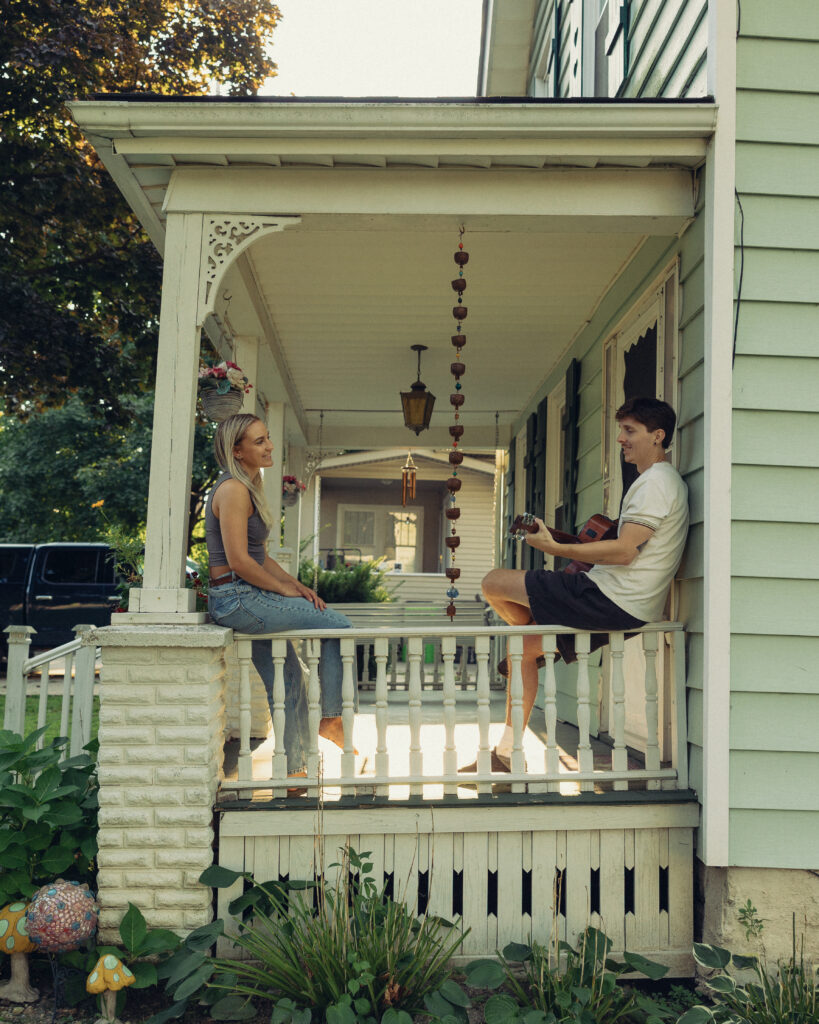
[641, 200]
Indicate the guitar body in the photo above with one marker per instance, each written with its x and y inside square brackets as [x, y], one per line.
[596, 527]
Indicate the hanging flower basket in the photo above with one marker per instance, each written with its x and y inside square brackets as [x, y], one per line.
[292, 489]
[222, 389]
[218, 407]
[289, 500]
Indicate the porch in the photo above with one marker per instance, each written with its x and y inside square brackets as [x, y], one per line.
[585, 829]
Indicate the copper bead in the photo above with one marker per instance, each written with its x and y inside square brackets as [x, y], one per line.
[451, 610]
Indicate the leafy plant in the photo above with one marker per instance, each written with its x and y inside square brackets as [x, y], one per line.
[365, 582]
[784, 995]
[584, 989]
[752, 924]
[345, 951]
[48, 814]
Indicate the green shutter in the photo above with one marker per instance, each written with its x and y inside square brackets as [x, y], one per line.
[571, 416]
[510, 546]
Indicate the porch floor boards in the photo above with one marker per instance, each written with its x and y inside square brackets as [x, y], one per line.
[432, 742]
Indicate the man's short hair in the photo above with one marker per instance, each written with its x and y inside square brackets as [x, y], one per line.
[652, 413]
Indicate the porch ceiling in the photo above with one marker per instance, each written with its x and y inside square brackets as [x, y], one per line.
[556, 198]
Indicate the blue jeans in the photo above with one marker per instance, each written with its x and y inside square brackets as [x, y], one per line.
[247, 609]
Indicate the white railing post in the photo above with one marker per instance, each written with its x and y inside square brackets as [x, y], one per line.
[619, 755]
[65, 705]
[585, 757]
[245, 766]
[551, 755]
[652, 711]
[679, 732]
[279, 652]
[348, 687]
[313, 713]
[482, 656]
[382, 756]
[518, 762]
[416, 757]
[450, 753]
[19, 641]
[84, 674]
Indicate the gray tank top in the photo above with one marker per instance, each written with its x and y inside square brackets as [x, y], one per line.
[257, 532]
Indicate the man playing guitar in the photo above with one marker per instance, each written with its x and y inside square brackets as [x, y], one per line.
[627, 583]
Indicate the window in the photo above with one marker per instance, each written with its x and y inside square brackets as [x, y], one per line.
[605, 46]
[13, 564]
[71, 565]
[375, 531]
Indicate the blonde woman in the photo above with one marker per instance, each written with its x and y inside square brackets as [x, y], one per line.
[251, 593]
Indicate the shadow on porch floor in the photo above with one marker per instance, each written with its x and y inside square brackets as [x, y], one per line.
[432, 744]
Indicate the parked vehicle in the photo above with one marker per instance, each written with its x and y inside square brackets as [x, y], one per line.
[54, 587]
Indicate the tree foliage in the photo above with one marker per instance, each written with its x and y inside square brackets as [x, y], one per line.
[62, 461]
[79, 280]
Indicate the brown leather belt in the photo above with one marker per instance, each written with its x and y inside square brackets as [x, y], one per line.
[220, 581]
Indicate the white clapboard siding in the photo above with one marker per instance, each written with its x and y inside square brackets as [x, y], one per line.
[511, 876]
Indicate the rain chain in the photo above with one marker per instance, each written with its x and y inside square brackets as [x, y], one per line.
[456, 399]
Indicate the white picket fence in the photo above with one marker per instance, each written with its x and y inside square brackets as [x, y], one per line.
[424, 766]
[77, 697]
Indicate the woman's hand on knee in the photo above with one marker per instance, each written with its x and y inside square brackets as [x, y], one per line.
[311, 596]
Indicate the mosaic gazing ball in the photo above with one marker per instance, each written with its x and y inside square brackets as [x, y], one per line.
[61, 916]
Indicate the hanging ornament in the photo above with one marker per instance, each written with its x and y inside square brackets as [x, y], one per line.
[456, 400]
[408, 474]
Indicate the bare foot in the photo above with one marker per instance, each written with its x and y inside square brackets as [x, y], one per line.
[332, 729]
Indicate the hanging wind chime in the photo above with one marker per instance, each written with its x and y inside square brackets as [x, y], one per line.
[456, 399]
[408, 474]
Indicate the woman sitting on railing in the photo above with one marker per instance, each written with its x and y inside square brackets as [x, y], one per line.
[251, 593]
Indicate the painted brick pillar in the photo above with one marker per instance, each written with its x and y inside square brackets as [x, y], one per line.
[162, 714]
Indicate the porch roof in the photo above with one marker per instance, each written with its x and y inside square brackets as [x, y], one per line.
[556, 198]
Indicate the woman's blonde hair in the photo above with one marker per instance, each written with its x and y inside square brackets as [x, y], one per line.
[229, 433]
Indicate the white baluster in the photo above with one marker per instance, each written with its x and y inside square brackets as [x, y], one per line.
[619, 755]
[382, 756]
[436, 663]
[394, 647]
[552, 754]
[450, 753]
[416, 758]
[652, 710]
[348, 686]
[83, 695]
[65, 708]
[585, 758]
[42, 706]
[679, 732]
[365, 666]
[482, 656]
[518, 762]
[313, 712]
[245, 768]
[279, 766]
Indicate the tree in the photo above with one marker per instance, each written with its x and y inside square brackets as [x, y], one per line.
[61, 462]
[79, 280]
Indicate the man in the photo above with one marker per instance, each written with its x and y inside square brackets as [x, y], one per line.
[628, 582]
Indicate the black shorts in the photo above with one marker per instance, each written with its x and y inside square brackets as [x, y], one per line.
[572, 599]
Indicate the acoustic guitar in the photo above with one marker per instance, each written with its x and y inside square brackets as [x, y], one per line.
[597, 527]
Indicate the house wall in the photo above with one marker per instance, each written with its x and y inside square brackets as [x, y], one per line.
[775, 480]
[667, 44]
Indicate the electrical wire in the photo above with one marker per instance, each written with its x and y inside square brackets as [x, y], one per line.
[741, 273]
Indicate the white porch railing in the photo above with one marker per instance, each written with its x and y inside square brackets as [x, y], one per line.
[77, 698]
[422, 772]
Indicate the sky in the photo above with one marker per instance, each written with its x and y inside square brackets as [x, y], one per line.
[376, 48]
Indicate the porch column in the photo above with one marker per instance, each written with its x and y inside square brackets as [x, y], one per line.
[163, 590]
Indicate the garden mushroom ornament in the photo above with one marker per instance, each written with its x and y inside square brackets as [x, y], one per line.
[14, 940]
[108, 977]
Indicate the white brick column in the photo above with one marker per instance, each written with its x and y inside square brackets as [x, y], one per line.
[161, 735]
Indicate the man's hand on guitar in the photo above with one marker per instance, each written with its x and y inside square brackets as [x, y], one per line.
[542, 539]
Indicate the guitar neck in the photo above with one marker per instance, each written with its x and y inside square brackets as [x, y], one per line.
[561, 537]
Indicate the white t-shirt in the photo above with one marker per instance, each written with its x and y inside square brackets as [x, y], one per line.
[658, 498]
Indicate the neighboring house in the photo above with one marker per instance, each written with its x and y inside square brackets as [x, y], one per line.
[356, 514]
[638, 185]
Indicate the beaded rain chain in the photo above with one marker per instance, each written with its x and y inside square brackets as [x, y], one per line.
[408, 474]
[456, 399]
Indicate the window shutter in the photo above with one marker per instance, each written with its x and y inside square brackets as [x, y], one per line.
[510, 546]
[571, 417]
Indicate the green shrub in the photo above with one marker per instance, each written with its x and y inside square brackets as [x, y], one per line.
[48, 814]
[346, 952]
[559, 984]
[365, 582]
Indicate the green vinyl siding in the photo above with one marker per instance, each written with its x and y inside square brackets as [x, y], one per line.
[761, 779]
[758, 659]
[774, 838]
[757, 494]
[667, 48]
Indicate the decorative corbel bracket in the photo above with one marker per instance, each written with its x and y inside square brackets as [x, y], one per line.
[226, 236]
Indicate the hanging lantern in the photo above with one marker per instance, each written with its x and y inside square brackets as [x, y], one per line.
[417, 402]
[456, 400]
[408, 474]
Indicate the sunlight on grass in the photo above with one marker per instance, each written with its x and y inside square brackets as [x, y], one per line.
[53, 712]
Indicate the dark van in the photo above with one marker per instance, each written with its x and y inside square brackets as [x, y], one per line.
[54, 587]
